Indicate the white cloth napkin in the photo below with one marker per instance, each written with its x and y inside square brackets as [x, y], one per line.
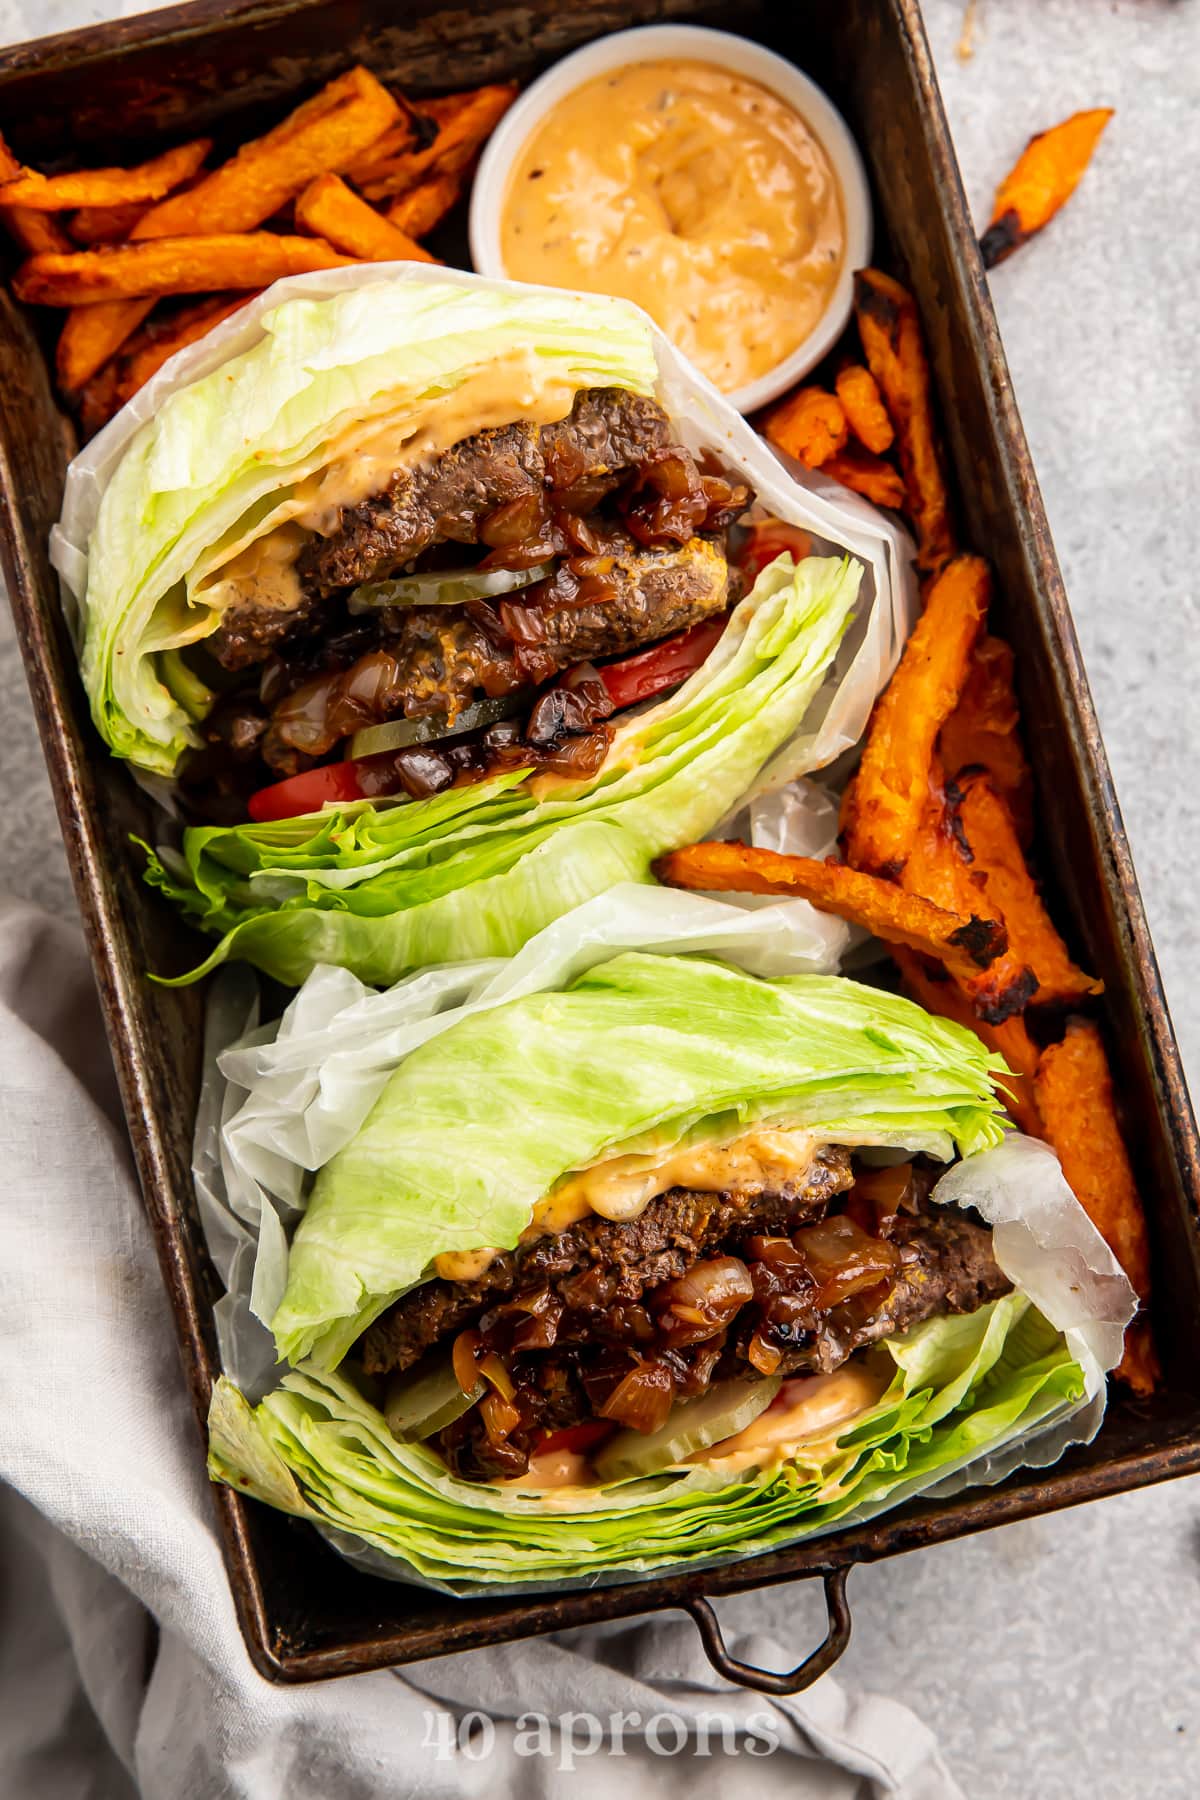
[122, 1670]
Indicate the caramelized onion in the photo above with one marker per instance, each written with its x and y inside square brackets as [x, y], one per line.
[571, 706]
[694, 1371]
[880, 1194]
[500, 1417]
[703, 1301]
[492, 1369]
[462, 1356]
[528, 1322]
[667, 502]
[642, 1398]
[842, 1259]
[764, 1357]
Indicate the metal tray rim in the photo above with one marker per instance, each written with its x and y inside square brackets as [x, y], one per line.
[51, 687]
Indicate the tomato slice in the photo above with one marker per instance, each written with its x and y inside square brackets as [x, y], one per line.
[649, 672]
[363, 778]
[769, 539]
[634, 678]
[577, 1438]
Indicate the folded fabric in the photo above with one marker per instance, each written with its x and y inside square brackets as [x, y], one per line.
[121, 1661]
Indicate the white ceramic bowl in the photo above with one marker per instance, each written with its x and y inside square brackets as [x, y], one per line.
[694, 43]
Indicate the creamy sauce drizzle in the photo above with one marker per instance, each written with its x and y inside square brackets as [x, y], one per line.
[553, 1469]
[805, 1415]
[257, 567]
[622, 1187]
[697, 193]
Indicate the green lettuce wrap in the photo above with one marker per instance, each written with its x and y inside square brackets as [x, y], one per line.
[642, 1057]
[476, 871]
[227, 457]
[643, 1052]
[960, 1387]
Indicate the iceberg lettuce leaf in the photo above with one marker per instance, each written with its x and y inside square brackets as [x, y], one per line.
[476, 1125]
[476, 871]
[962, 1387]
[222, 450]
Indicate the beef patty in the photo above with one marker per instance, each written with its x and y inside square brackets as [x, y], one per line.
[433, 661]
[946, 1266]
[607, 432]
[445, 500]
[600, 1266]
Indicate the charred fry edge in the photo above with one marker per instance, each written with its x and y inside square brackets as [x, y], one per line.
[964, 944]
[998, 860]
[463, 122]
[890, 329]
[1040, 182]
[984, 732]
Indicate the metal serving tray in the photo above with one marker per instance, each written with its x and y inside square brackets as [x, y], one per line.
[228, 69]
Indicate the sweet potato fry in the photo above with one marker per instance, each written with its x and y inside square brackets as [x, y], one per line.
[938, 993]
[984, 731]
[938, 870]
[998, 866]
[105, 187]
[36, 232]
[866, 415]
[91, 336]
[423, 208]
[885, 803]
[33, 231]
[187, 326]
[331, 210]
[1075, 1098]
[146, 352]
[191, 265]
[1139, 1367]
[868, 475]
[895, 351]
[963, 943]
[809, 425]
[326, 132]
[106, 224]
[463, 121]
[99, 400]
[1042, 180]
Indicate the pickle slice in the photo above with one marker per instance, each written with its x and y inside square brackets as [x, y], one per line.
[693, 1425]
[423, 1400]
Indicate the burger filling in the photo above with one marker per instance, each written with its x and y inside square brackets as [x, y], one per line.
[465, 601]
[605, 1324]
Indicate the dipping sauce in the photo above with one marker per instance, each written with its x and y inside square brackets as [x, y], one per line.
[699, 194]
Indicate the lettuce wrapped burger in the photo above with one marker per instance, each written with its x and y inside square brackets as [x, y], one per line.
[450, 610]
[653, 1270]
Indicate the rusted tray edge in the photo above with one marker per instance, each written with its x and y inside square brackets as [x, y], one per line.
[166, 24]
[891, 1535]
[67, 762]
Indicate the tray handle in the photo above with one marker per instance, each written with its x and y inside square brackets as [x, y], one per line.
[764, 1681]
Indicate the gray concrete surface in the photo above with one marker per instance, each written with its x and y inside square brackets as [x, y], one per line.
[1059, 1657]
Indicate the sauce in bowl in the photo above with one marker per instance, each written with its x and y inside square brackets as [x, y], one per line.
[695, 192]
